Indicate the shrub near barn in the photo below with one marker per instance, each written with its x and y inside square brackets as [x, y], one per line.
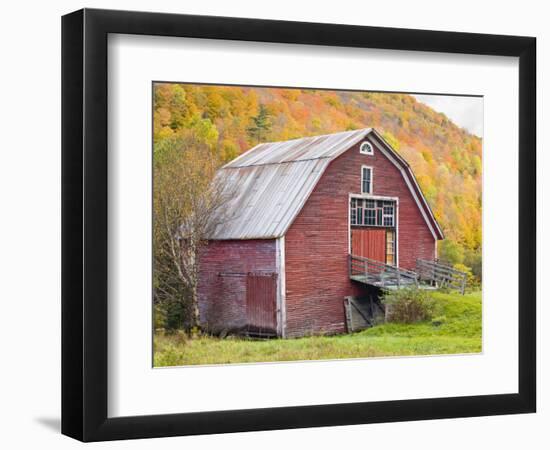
[409, 305]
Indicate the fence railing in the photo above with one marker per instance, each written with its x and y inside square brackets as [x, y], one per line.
[441, 274]
[379, 274]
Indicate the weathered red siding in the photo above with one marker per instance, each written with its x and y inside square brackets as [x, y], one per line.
[316, 244]
[223, 273]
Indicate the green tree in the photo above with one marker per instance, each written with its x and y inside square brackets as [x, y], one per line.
[451, 252]
[261, 125]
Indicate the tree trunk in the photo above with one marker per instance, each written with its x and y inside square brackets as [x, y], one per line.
[195, 312]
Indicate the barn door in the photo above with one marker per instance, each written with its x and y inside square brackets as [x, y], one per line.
[261, 303]
[369, 243]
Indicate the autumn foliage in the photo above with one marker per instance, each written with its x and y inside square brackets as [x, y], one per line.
[445, 158]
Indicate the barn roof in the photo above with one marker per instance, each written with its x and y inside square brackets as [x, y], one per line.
[270, 183]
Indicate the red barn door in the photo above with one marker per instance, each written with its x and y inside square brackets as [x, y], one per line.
[261, 303]
[369, 243]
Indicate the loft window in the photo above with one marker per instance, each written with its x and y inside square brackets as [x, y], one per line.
[366, 148]
[366, 180]
[372, 213]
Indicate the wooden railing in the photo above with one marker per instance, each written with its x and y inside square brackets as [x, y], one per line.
[441, 274]
[377, 273]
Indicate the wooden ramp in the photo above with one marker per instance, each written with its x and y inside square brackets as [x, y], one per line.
[428, 275]
[440, 274]
[384, 276]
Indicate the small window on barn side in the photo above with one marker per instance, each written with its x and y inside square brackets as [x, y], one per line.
[366, 148]
[366, 180]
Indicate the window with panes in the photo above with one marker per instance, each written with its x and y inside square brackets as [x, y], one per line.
[372, 213]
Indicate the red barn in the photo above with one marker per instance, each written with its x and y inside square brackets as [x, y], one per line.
[282, 261]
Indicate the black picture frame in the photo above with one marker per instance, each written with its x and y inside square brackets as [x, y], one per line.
[84, 224]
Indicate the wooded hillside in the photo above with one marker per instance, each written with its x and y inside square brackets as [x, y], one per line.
[445, 158]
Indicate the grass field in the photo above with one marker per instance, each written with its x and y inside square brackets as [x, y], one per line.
[457, 330]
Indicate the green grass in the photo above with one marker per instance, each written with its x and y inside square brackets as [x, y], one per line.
[457, 329]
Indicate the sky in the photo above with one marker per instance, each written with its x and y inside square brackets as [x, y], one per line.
[466, 112]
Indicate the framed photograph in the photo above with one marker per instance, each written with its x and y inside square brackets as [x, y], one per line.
[273, 224]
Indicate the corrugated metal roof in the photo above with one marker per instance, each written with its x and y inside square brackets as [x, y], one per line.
[271, 182]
